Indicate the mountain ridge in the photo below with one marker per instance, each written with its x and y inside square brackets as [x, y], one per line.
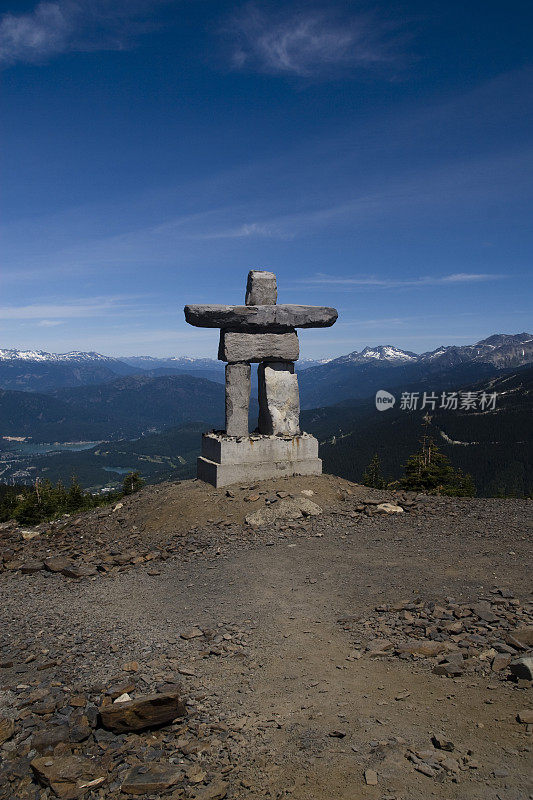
[360, 374]
[125, 407]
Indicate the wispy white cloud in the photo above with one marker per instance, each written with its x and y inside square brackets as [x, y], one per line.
[71, 26]
[50, 323]
[307, 42]
[394, 283]
[50, 314]
[456, 188]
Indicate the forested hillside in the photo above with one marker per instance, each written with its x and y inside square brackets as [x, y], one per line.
[493, 446]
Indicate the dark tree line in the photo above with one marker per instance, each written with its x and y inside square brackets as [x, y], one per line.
[45, 500]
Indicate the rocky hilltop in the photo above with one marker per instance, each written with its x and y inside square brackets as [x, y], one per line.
[300, 637]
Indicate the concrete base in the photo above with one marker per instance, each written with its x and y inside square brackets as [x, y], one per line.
[226, 460]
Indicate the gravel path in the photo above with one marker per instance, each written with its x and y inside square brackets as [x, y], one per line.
[285, 694]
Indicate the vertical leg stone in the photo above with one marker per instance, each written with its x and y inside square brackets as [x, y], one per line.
[279, 399]
[238, 386]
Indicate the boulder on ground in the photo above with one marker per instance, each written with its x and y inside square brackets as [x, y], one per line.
[150, 778]
[57, 563]
[421, 648]
[289, 508]
[522, 668]
[147, 711]
[389, 508]
[30, 567]
[524, 635]
[68, 775]
[7, 729]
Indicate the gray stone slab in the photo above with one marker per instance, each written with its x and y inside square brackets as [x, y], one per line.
[261, 288]
[279, 399]
[253, 347]
[256, 449]
[227, 474]
[238, 386]
[261, 319]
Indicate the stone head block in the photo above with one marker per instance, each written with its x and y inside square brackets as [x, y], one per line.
[261, 288]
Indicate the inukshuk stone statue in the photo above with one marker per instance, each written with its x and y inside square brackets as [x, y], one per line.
[264, 333]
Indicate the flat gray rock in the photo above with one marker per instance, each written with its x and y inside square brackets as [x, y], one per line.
[253, 347]
[265, 319]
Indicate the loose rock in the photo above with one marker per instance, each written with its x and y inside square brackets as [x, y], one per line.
[149, 711]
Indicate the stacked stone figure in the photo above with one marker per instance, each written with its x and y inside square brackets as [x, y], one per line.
[265, 333]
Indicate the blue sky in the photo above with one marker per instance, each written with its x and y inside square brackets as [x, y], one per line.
[377, 157]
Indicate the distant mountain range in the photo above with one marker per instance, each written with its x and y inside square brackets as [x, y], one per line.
[38, 371]
[507, 350]
[88, 397]
[125, 407]
[39, 356]
[361, 374]
[494, 446]
[322, 382]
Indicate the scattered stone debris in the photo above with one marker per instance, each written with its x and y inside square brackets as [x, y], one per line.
[75, 737]
[113, 539]
[83, 647]
[459, 637]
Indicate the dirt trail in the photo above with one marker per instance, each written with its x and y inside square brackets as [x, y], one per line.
[306, 717]
[293, 593]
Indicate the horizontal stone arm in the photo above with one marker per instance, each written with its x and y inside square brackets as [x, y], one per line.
[260, 318]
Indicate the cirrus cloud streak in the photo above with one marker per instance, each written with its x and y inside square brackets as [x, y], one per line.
[308, 42]
[65, 26]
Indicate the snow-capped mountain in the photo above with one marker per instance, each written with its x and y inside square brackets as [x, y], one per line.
[306, 363]
[39, 371]
[41, 356]
[516, 348]
[171, 362]
[322, 381]
[383, 352]
[360, 374]
[502, 349]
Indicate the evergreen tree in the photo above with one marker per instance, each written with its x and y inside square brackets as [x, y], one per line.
[372, 476]
[431, 472]
[76, 497]
[132, 483]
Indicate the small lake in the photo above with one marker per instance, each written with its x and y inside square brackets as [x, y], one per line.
[41, 448]
[120, 470]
